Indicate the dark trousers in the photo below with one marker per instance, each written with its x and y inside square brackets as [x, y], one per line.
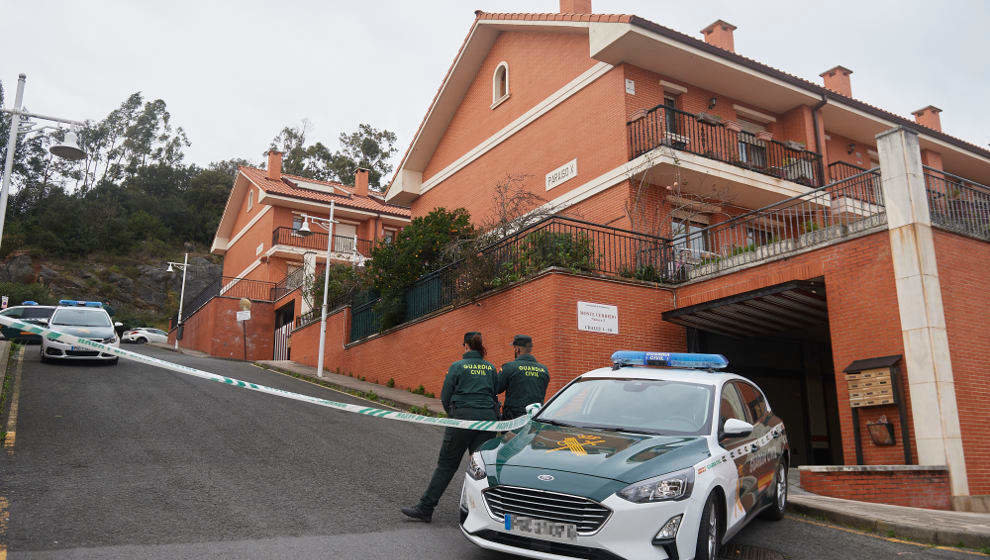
[512, 413]
[455, 442]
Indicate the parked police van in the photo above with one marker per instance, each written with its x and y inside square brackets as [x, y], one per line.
[659, 456]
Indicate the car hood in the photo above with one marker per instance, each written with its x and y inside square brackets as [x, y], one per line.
[85, 332]
[619, 456]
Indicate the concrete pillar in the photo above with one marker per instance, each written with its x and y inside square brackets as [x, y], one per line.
[309, 279]
[919, 297]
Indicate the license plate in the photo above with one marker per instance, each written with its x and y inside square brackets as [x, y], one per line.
[540, 527]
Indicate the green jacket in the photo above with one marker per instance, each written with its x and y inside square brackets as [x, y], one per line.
[524, 381]
[470, 383]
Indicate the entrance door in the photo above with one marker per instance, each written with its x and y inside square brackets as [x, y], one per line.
[284, 317]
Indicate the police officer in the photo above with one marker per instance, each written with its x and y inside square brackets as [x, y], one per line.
[523, 380]
[468, 394]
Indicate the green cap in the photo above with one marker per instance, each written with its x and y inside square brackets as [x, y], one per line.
[522, 340]
[469, 335]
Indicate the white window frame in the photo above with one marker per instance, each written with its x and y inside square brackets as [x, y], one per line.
[496, 98]
[250, 203]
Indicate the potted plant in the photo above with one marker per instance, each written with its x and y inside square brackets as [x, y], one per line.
[709, 118]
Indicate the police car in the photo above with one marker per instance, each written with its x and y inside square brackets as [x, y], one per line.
[657, 457]
[84, 319]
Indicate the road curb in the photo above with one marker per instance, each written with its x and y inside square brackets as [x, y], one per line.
[4, 360]
[904, 529]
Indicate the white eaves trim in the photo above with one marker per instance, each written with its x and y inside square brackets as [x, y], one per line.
[340, 206]
[753, 114]
[537, 111]
[244, 230]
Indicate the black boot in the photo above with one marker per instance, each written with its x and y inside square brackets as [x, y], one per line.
[416, 512]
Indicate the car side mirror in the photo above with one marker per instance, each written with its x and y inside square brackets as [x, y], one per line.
[118, 324]
[735, 427]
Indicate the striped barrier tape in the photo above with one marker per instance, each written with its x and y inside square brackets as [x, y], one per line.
[482, 425]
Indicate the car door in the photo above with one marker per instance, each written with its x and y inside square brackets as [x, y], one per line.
[764, 454]
[743, 500]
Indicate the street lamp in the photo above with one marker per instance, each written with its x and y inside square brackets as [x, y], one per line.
[304, 229]
[182, 293]
[67, 148]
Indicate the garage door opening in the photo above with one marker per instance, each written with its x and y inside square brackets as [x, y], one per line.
[779, 338]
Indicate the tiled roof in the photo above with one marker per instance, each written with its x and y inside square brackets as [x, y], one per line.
[745, 61]
[288, 187]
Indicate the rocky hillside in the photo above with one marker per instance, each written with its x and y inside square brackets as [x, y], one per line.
[137, 288]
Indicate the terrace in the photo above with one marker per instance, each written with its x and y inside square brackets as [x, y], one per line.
[344, 248]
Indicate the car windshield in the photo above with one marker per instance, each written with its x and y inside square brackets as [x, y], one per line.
[81, 318]
[633, 405]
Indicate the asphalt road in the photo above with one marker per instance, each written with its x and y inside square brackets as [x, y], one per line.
[131, 461]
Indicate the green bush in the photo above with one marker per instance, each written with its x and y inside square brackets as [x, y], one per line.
[345, 282]
[17, 293]
[543, 249]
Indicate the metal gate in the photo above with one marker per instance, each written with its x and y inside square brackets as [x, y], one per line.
[283, 326]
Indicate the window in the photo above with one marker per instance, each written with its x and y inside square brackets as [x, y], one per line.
[500, 84]
[752, 150]
[250, 200]
[343, 238]
[297, 222]
[754, 402]
[689, 236]
[670, 117]
[757, 237]
[389, 235]
[730, 406]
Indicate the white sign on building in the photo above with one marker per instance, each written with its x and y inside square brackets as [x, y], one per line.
[562, 174]
[598, 317]
[244, 315]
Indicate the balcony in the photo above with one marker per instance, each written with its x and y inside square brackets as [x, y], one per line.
[344, 247]
[958, 204]
[704, 135]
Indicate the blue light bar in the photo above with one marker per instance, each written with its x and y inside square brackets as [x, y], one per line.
[669, 359]
[76, 303]
[70, 302]
[29, 302]
[92, 304]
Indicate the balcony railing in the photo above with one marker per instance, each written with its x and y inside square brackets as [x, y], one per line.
[228, 286]
[958, 204]
[829, 213]
[704, 136]
[318, 241]
[839, 170]
[289, 284]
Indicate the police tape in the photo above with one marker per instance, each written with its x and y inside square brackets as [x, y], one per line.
[72, 340]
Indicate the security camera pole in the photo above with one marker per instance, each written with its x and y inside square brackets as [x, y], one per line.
[68, 149]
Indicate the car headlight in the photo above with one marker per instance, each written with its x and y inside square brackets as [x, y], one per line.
[476, 467]
[668, 487]
[109, 340]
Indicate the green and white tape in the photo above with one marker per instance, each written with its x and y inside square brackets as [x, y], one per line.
[483, 425]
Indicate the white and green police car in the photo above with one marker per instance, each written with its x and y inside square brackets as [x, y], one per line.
[657, 457]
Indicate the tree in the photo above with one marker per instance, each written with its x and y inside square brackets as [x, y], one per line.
[367, 147]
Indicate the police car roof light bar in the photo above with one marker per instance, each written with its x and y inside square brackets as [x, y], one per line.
[75, 303]
[29, 302]
[624, 358]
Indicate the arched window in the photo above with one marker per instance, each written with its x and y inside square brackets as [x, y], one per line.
[500, 84]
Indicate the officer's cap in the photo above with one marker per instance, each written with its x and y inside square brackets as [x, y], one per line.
[469, 335]
[522, 340]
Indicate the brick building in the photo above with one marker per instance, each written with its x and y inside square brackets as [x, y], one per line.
[833, 251]
[269, 261]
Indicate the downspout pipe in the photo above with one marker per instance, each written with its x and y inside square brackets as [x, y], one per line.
[814, 122]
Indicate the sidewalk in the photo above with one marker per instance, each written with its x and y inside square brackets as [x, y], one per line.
[186, 351]
[399, 396]
[950, 528]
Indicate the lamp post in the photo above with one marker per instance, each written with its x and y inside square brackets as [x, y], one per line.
[305, 230]
[68, 149]
[182, 293]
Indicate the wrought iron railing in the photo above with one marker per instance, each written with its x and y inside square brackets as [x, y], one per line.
[707, 136]
[832, 212]
[958, 204]
[318, 241]
[839, 170]
[560, 242]
[228, 286]
[307, 318]
[292, 281]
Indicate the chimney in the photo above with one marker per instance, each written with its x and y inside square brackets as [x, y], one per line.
[275, 165]
[575, 6]
[837, 80]
[719, 34]
[928, 116]
[361, 182]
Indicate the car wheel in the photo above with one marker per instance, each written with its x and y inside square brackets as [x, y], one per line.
[709, 531]
[779, 495]
[114, 361]
[141, 340]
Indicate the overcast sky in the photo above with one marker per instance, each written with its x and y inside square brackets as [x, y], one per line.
[234, 73]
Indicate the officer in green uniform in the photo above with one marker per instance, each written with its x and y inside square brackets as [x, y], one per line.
[523, 380]
[468, 394]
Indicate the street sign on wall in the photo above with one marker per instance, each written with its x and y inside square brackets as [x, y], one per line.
[243, 315]
[598, 317]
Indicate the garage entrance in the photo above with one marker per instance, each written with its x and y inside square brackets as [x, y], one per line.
[778, 337]
[284, 317]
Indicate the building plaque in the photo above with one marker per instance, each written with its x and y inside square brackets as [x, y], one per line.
[562, 174]
[598, 317]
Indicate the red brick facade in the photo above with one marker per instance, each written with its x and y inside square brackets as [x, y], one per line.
[214, 329]
[918, 487]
